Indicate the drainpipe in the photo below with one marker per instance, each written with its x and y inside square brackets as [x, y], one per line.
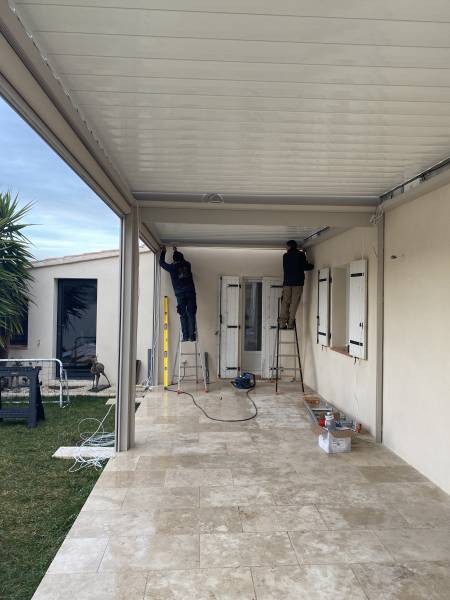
[380, 330]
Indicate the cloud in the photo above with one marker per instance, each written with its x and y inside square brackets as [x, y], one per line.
[69, 217]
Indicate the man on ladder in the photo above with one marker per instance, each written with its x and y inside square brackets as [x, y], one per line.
[183, 285]
[294, 267]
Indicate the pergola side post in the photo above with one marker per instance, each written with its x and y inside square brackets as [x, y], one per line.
[128, 312]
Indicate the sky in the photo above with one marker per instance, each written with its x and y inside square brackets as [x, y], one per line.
[68, 217]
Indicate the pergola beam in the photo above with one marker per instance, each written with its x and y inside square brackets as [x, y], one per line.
[28, 84]
[259, 216]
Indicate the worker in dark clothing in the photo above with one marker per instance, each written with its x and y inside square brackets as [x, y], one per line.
[183, 285]
[294, 267]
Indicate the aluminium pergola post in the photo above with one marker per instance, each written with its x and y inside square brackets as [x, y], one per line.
[129, 290]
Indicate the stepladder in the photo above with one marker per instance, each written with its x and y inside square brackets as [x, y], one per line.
[286, 354]
[189, 364]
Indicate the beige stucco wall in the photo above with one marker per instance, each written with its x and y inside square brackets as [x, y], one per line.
[417, 325]
[207, 265]
[105, 268]
[348, 384]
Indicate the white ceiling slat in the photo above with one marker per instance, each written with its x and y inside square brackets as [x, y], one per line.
[130, 46]
[432, 10]
[247, 72]
[315, 105]
[227, 26]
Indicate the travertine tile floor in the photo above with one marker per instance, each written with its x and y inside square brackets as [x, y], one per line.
[201, 510]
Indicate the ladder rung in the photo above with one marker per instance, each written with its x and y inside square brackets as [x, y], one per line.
[189, 353]
[286, 342]
[287, 356]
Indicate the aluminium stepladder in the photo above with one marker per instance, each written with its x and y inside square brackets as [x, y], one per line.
[184, 366]
[280, 340]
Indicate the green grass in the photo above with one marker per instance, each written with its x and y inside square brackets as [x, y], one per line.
[39, 498]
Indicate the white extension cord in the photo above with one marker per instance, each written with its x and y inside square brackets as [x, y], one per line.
[99, 438]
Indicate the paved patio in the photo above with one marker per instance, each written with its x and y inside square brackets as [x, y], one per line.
[202, 510]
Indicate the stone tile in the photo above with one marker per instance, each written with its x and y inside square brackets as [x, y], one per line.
[281, 518]
[199, 448]
[204, 584]
[121, 462]
[153, 449]
[309, 582]
[79, 556]
[246, 549]
[391, 474]
[334, 547]
[200, 520]
[87, 586]
[105, 499]
[408, 581]
[151, 553]
[179, 461]
[234, 496]
[226, 437]
[408, 492]
[264, 476]
[426, 513]
[102, 524]
[149, 499]
[361, 517]
[198, 477]
[417, 544]
[130, 479]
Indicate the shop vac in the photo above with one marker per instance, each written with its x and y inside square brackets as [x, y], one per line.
[244, 382]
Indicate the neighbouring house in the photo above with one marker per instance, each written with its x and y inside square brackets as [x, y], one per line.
[74, 315]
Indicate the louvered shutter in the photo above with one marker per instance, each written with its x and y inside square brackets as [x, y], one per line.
[272, 290]
[357, 309]
[229, 325]
[323, 307]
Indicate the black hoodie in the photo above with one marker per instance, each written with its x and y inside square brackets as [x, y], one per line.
[294, 267]
[180, 274]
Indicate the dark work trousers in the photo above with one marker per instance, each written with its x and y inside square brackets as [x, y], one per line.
[187, 309]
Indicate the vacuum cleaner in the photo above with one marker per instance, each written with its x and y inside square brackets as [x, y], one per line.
[244, 382]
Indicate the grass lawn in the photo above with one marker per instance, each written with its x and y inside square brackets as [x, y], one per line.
[39, 498]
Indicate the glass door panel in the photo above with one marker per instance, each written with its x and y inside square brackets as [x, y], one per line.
[77, 325]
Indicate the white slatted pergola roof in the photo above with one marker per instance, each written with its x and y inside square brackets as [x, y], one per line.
[296, 103]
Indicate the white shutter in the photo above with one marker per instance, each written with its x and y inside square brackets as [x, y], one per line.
[357, 309]
[271, 292]
[229, 325]
[323, 307]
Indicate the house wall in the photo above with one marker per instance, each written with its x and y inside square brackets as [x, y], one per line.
[347, 383]
[417, 324]
[208, 264]
[104, 267]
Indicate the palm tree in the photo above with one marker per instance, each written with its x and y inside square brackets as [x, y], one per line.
[15, 268]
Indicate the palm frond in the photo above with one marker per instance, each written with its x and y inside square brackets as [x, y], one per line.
[15, 267]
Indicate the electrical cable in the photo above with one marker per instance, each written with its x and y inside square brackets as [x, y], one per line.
[98, 439]
[220, 398]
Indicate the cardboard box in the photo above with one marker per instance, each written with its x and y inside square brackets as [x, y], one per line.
[333, 442]
[313, 400]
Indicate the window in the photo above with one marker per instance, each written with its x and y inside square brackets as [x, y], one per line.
[349, 308]
[253, 313]
[21, 339]
[339, 307]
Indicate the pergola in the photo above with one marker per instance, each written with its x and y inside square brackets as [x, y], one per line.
[237, 123]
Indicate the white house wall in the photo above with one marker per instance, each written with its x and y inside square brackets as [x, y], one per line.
[417, 325]
[105, 268]
[348, 384]
[208, 264]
